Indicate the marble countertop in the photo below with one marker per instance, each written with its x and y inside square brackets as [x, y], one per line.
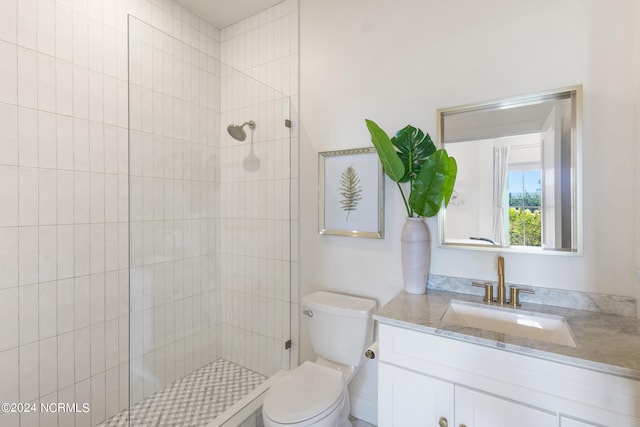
[607, 343]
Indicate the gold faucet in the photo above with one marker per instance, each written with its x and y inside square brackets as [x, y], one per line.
[502, 292]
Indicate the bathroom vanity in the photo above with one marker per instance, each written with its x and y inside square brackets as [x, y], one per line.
[436, 372]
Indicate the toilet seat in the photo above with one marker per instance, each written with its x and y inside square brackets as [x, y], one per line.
[308, 393]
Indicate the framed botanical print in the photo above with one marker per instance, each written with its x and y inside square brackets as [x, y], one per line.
[351, 193]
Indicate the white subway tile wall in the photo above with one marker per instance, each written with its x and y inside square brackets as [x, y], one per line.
[173, 223]
[64, 211]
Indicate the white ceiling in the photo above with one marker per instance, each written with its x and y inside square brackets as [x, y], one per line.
[222, 13]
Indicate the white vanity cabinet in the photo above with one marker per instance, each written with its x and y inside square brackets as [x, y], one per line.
[429, 380]
[410, 399]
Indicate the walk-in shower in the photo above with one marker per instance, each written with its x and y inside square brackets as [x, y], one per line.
[209, 252]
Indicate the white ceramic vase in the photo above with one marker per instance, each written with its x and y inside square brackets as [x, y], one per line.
[416, 255]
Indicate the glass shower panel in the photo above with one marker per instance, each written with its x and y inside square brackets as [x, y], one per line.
[254, 226]
[209, 220]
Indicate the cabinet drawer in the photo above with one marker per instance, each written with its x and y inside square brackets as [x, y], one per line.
[477, 409]
[572, 422]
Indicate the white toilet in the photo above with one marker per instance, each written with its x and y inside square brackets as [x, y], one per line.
[315, 393]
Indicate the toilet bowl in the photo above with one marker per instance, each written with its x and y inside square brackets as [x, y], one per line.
[310, 395]
[315, 393]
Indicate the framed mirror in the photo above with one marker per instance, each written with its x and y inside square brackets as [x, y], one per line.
[519, 174]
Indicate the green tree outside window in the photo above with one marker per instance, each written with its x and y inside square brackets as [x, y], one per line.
[525, 201]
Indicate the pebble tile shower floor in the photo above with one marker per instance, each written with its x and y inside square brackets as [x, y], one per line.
[192, 401]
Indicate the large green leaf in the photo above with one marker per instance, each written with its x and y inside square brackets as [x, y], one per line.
[413, 149]
[434, 184]
[391, 163]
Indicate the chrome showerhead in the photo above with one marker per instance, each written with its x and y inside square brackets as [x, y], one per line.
[237, 132]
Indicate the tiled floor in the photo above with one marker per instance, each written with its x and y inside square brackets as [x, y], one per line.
[196, 399]
[192, 401]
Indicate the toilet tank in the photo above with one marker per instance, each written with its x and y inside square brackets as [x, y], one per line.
[340, 326]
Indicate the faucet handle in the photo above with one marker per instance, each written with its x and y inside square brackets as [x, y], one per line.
[515, 295]
[488, 291]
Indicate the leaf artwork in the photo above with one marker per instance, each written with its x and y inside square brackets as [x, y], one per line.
[350, 189]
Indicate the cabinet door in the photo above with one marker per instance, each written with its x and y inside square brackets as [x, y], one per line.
[406, 398]
[476, 409]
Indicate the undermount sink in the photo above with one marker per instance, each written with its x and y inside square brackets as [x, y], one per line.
[524, 324]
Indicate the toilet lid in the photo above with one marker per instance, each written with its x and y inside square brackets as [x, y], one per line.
[303, 393]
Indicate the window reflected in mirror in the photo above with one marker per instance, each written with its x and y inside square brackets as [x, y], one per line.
[525, 202]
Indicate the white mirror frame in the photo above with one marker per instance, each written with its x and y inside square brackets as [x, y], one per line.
[573, 91]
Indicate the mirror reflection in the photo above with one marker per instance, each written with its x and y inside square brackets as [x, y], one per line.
[518, 173]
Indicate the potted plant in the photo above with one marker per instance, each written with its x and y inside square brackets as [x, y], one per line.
[411, 159]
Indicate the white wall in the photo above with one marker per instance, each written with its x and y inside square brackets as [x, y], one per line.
[397, 62]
